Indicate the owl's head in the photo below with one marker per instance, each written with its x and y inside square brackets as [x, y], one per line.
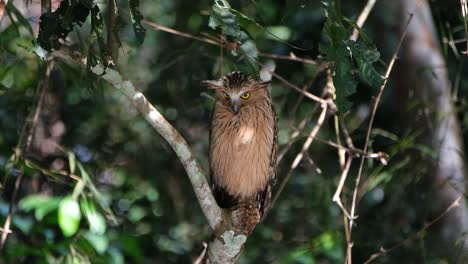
[237, 90]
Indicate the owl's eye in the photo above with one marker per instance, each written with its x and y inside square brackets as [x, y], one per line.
[245, 96]
[226, 96]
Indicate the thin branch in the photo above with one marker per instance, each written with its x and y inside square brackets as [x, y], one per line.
[420, 232]
[344, 174]
[230, 46]
[336, 198]
[464, 7]
[295, 135]
[300, 155]
[6, 227]
[210, 208]
[362, 18]
[111, 40]
[180, 33]
[43, 86]
[291, 57]
[371, 122]
[293, 86]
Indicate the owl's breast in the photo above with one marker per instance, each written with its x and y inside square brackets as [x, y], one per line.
[241, 153]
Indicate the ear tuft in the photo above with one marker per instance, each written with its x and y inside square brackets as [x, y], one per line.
[212, 84]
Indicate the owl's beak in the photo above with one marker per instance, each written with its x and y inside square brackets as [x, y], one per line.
[235, 107]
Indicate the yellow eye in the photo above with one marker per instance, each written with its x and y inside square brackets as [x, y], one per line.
[245, 96]
[226, 96]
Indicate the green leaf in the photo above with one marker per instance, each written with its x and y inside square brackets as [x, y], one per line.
[221, 16]
[253, 28]
[329, 244]
[41, 204]
[249, 49]
[365, 57]
[69, 216]
[97, 223]
[136, 17]
[337, 51]
[348, 57]
[278, 33]
[99, 242]
[97, 195]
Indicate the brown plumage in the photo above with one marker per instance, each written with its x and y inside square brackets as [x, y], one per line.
[243, 141]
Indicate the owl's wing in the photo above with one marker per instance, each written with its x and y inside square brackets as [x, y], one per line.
[264, 196]
[223, 198]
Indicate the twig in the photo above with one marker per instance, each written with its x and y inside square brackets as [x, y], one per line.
[299, 90]
[43, 86]
[210, 208]
[336, 197]
[374, 110]
[369, 129]
[362, 18]
[464, 8]
[300, 155]
[202, 254]
[180, 33]
[384, 251]
[348, 139]
[229, 46]
[292, 57]
[6, 227]
[111, 13]
[295, 135]
[355, 152]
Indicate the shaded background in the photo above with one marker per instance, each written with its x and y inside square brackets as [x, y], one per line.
[157, 217]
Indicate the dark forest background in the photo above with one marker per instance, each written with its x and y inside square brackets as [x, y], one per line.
[85, 179]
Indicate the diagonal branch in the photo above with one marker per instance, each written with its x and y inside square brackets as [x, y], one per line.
[212, 211]
[383, 251]
[210, 208]
[301, 154]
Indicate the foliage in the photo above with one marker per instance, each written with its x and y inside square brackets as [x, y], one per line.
[121, 195]
[345, 54]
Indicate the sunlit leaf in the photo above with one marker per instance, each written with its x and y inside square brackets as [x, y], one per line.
[99, 242]
[278, 33]
[72, 161]
[41, 204]
[69, 216]
[97, 223]
[97, 195]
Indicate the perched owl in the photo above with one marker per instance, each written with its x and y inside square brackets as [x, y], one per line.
[243, 141]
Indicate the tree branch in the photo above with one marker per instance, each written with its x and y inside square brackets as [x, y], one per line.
[231, 227]
[212, 211]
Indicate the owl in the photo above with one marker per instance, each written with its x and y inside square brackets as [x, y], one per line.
[243, 141]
